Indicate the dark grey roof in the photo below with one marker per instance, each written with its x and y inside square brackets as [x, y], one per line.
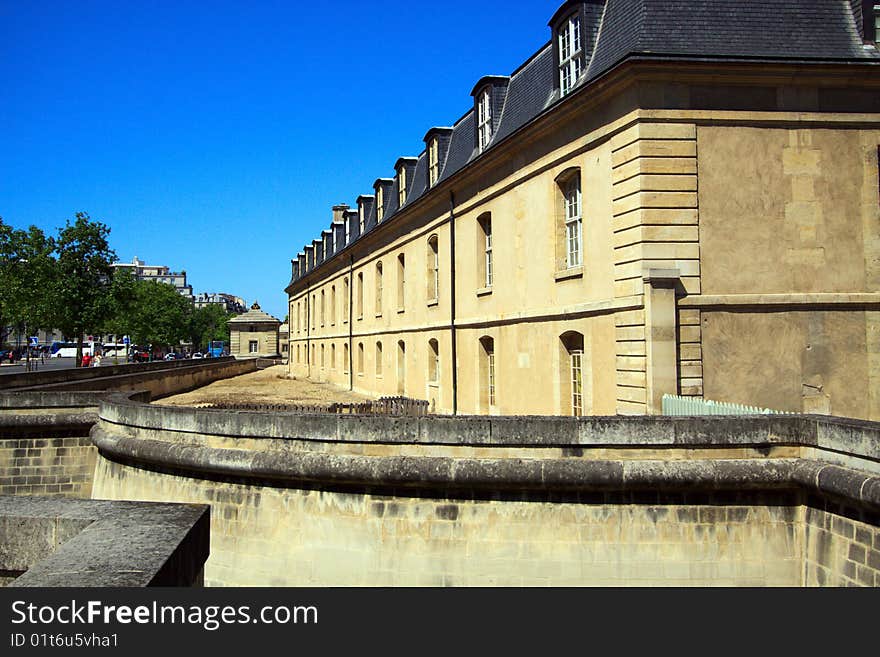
[779, 30]
[528, 92]
[770, 29]
[419, 179]
[461, 146]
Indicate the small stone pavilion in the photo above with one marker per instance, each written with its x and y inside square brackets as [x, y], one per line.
[254, 334]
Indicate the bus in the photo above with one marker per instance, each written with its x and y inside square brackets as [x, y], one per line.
[68, 349]
[115, 350]
[217, 348]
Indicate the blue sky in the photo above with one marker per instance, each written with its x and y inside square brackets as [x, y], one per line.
[215, 137]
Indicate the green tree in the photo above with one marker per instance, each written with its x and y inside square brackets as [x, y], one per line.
[159, 315]
[209, 323]
[82, 279]
[26, 272]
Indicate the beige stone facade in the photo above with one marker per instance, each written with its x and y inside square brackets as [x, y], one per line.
[254, 334]
[730, 249]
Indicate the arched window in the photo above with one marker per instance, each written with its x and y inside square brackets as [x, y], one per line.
[360, 298]
[333, 356]
[569, 251]
[345, 358]
[378, 359]
[401, 368]
[322, 356]
[333, 305]
[360, 361]
[433, 269]
[571, 372]
[378, 288]
[345, 299]
[323, 309]
[433, 361]
[487, 373]
[401, 283]
[484, 250]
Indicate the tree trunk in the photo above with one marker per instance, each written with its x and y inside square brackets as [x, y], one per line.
[79, 349]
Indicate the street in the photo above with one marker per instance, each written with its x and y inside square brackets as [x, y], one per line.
[49, 364]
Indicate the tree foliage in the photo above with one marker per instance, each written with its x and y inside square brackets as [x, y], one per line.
[209, 323]
[82, 282]
[158, 315]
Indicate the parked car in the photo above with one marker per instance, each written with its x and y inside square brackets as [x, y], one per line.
[197, 355]
[170, 356]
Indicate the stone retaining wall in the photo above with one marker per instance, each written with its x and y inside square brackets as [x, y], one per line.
[355, 500]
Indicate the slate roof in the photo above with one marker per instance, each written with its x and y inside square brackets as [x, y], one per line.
[254, 316]
[713, 30]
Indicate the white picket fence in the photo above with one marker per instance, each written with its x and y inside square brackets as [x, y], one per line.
[676, 405]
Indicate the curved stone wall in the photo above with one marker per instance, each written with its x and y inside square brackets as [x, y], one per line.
[356, 500]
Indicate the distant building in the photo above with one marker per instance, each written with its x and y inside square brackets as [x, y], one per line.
[158, 273]
[284, 340]
[254, 334]
[233, 304]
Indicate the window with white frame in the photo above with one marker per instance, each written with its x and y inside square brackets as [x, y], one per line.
[347, 229]
[380, 204]
[253, 346]
[484, 268]
[433, 269]
[433, 161]
[401, 186]
[433, 360]
[379, 288]
[484, 120]
[572, 375]
[362, 218]
[487, 373]
[573, 221]
[571, 56]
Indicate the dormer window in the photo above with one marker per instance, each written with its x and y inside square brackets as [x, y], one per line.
[380, 204]
[362, 218]
[401, 186]
[571, 54]
[484, 120]
[433, 161]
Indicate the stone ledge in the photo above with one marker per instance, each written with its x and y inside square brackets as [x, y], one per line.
[427, 472]
[166, 544]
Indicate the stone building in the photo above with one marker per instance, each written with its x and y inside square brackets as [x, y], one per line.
[158, 273]
[254, 334]
[664, 198]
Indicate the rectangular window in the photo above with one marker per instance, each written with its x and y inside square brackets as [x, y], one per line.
[347, 229]
[573, 222]
[571, 57]
[362, 219]
[401, 187]
[380, 204]
[433, 161]
[484, 120]
[252, 346]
